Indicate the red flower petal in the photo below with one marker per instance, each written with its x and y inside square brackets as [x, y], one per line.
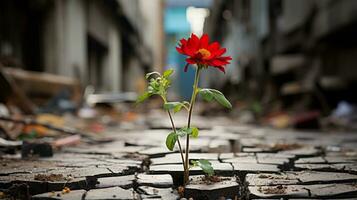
[179, 50]
[204, 41]
[214, 46]
[221, 69]
[191, 61]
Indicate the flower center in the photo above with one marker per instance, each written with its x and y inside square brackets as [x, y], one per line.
[204, 52]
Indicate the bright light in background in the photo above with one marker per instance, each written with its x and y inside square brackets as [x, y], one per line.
[196, 18]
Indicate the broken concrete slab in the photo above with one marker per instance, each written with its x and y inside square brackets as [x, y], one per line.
[157, 193]
[263, 179]
[278, 191]
[157, 181]
[201, 188]
[340, 167]
[299, 178]
[303, 152]
[311, 160]
[224, 156]
[245, 159]
[254, 168]
[110, 193]
[125, 182]
[333, 190]
[72, 195]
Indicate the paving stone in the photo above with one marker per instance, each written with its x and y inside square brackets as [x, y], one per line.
[157, 181]
[270, 179]
[316, 177]
[175, 158]
[341, 159]
[110, 193]
[341, 167]
[255, 168]
[223, 156]
[199, 188]
[312, 160]
[245, 159]
[41, 183]
[157, 193]
[279, 191]
[176, 170]
[166, 160]
[333, 190]
[256, 150]
[274, 161]
[72, 195]
[86, 172]
[303, 152]
[219, 145]
[155, 152]
[297, 178]
[275, 155]
[125, 182]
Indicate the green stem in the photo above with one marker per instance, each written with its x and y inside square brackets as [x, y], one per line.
[193, 99]
[178, 140]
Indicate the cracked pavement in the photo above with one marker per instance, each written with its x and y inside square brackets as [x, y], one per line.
[254, 163]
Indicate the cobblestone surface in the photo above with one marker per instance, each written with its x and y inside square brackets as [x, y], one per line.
[257, 163]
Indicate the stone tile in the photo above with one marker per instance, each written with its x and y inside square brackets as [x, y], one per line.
[245, 159]
[297, 178]
[178, 168]
[256, 150]
[333, 190]
[264, 179]
[255, 168]
[72, 195]
[274, 161]
[201, 189]
[275, 155]
[157, 193]
[155, 152]
[279, 191]
[125, 182]
[175, 158]
[110, 193]
[341, 159]
[303, 152]
[166, 160]
[39, 183]
[219, 145]
[312, 160]
[157, 181]
[341, 167]
[311, 177]
[223, 156]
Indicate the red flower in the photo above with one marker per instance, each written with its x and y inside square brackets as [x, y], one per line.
[200, 52]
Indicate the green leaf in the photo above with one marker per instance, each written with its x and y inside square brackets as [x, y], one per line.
[210, 94]
[205, 165]
[220, 98]
[188, 131]
[206, 94]
[194, 132]
[171, 141]
[182, 132]
[176, 106]
[143, 97]
[152, 73]
[168, 73]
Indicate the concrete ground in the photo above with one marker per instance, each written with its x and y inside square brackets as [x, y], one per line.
[251, 163]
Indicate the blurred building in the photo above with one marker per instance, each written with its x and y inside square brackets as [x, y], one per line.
[302, 53]
[107, 44]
